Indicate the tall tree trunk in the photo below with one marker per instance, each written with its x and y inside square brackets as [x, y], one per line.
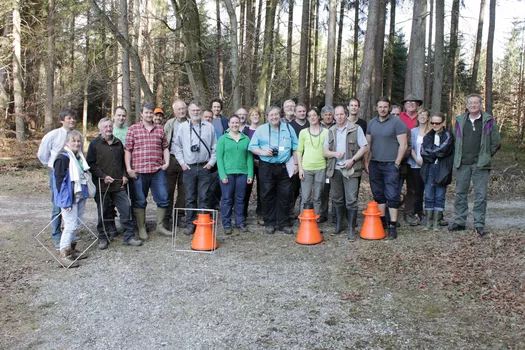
[437, 82]
[314, 54]
[477, 51]
[188, 13]
[137, 44]
[355, 50]
[451, 64]
[250, 34]
[428, 79]
[72, 50]
[303, 51]
[390, 50]
[415, 75]
[234, 50]
[273, 59]
[330, 55]
[18, 92]
[264, 78]
[178, 58]
[377, 77]
[126, 76]
[367, 67]
[85, 90]
[289, 45]
[50, 67]
[220, 73]
[257, 43]
[242, 54]
[490, 55]
[160, 43]
[339, 47]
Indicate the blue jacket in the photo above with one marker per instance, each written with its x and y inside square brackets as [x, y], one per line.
[63, 194]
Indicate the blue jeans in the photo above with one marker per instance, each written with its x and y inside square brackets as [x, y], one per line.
[197, 185]
[434, 195]
[56, 218]
[384, 181]
[233, 194]
[154, 181]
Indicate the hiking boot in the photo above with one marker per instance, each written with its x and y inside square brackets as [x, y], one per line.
[260, 220]
[65, 258]
[287, 230]
[133, 242]
[103, 244]
[480, 231]
[140, 215]
[228, 231]
[189, 230]
[243, 228]
[392, 230]
[161, 213]
[456, 227]
[76, 254]
[269, 230]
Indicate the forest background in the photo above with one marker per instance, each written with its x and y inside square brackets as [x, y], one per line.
[94, 55]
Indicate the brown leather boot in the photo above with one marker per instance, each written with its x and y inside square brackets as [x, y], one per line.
[76, 254]
[66, 259]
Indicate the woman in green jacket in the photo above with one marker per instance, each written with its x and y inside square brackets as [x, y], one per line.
[235, 165]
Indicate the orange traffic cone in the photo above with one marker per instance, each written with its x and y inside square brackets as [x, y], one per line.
[309, 231]
[204, 238]
[372, 227]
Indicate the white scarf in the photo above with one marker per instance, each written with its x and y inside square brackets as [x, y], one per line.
[76, 175]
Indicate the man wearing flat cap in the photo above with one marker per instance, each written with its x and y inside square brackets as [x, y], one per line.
[409, 116]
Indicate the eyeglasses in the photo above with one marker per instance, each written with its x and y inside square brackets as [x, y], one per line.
[434, 123]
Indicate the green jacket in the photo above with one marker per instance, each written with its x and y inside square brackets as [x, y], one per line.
[233, 157]
[490, 140]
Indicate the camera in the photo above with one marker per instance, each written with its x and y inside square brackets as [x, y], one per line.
[275, 152]
[195, 148]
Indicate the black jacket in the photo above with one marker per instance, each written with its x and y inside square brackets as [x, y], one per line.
[106, 159]
[444, 154]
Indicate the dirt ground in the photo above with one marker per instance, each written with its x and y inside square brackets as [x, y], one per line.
[424, 291]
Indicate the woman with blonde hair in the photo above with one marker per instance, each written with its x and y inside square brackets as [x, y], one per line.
[70, 193]
[415, 185]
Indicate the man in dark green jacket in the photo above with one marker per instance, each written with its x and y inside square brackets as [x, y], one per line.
[477, 140]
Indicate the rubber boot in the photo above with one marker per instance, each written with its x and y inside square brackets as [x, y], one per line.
[140, 215]
[355, 220]
[430, 218]
[161, 212]
[392, 230]
[75, 254]
[66, 259]
[351, 214]
[435, 227]
[442, 222]
[339, 212]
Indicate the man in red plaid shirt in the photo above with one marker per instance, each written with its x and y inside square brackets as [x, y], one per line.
[147, 158]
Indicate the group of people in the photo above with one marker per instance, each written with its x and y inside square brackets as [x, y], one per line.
[199, 159]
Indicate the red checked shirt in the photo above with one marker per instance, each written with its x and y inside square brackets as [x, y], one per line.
[146, 147]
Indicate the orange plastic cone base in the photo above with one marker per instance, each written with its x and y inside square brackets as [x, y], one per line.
[309, 231]
[203, 238]
[372, 227]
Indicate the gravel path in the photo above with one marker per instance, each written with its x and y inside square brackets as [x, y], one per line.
[256, 291]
